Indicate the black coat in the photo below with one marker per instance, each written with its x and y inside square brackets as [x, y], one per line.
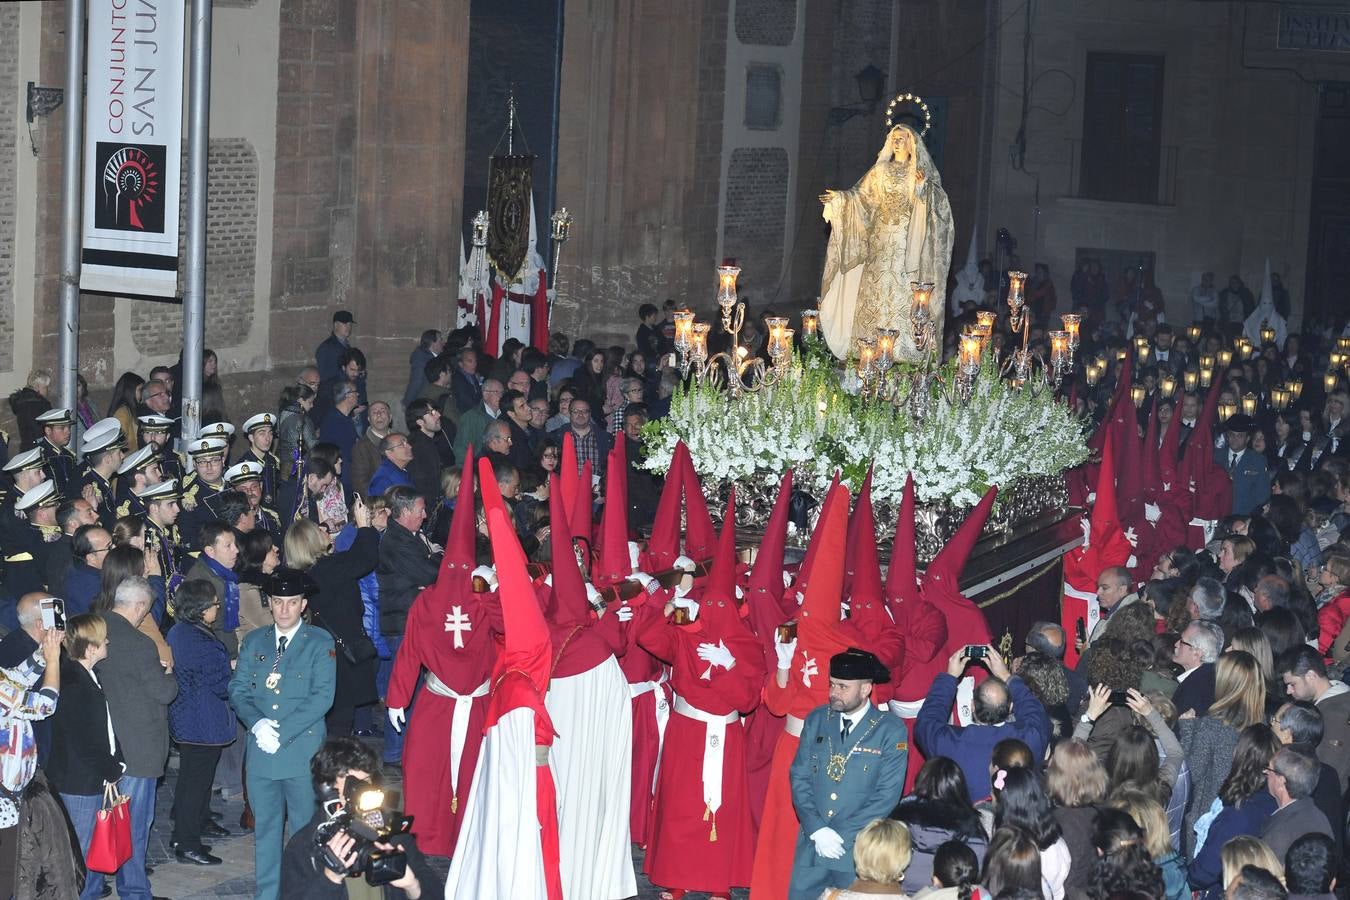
[80, 761]
[302, 876]
[425, 468]
[930, 825]
[1196, 692]
[407, 565]
[338, 607]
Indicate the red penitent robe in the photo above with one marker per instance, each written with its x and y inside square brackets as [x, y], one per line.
[690, 847]
[925, 635]
[646, 675]
[431, 796]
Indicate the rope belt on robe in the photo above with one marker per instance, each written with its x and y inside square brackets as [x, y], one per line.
[714, 741]
[637, 689]
[459, 729]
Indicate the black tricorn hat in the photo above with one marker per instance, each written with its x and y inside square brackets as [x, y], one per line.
[288, 582]
[858, 665]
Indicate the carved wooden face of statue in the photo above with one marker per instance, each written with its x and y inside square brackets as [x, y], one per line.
[901, 141]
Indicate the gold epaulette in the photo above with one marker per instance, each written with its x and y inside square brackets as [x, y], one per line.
[20, 557]
[124, 509]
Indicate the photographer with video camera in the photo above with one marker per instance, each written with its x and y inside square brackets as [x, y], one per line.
[354, 834]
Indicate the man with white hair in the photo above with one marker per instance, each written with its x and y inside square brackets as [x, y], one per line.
[1197, 649]
[1206, 600]
[139, 690]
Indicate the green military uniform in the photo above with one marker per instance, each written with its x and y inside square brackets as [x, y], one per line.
[295, 689]
[843, 782]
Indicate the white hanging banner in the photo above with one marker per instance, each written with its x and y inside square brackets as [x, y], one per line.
[133, 147]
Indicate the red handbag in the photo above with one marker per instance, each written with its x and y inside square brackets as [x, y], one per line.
[110, 845]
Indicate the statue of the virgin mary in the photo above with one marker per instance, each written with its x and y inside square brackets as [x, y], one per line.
[892, 228]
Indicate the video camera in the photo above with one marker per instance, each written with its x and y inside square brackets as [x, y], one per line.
[364, 814]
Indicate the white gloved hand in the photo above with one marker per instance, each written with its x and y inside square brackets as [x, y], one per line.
[624, 613]
[717, 654]
[787, 579]
[690, 605]
[265, 733]
[1152, 512]
[592, 595]
[828, 843]
[684, 564]
[648, 583]
[487, 573]
[396, 718]
[740, 594]
[633, 553]
[784, 651]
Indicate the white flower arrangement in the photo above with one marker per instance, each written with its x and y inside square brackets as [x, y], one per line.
[808, 422]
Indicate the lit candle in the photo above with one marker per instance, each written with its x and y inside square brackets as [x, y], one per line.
[1227, 411]
[1145, 354]
[1206, 377]
[684, 328]
[886, 346]
[1267, 335]
[985, 319]
[726, 285]
[1168, 385]
[1330, 380]
[969, 350]
[1073, 322]
[1059, 343]
[1122, 354]
[1193, 332]
[1137, 394]
[867, 354]
[810, 322]
[1295, 388]
[1249, 404]
[1191, 378]
[1224, 358]
[1279, 398]
[1207, 362]
[1343, 344]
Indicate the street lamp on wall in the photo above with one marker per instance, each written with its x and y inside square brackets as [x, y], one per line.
[871, 84]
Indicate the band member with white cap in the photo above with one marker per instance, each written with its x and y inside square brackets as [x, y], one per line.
[55, 446]
[102, 449]
[138, 471]
[261, 433]
[26, 551]
[201, 487]
[849, 770]
[23, 473]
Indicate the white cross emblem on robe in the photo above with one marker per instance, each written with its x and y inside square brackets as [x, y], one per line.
[457, 621]
[809, 669]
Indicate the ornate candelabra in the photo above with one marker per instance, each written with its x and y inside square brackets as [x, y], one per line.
[560, 229]
[921, 318]
[743, 373]
[1021, 365]
[481, 223]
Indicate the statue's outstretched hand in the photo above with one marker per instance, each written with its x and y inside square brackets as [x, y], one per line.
[827, 197]
[919, 176]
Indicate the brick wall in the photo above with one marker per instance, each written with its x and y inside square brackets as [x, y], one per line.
[231, 257]
[770, 22]
[11, 96]
[752, 232]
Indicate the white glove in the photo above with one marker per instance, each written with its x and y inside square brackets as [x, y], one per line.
[686, 603]
[784, 652]
[265, 733]
[633, 551]
[684, 563]
[624, 613]
[592, 595]
[716, 654]
[487, 573]
[787, 579]
[648, 583]
[397, 718]
[1152, 512]
[828, 843]
[740, 594]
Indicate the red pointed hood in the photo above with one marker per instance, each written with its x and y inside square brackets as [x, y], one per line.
[664, 545]
[1152, 467]
[567, 604]
[808, 562]
[1121, 405]
[1129, 469]
[614, 565]
[700, 540]
[569, 471]
[944, 572]
[718, 604]
[819, 615]
[1167, 457]
[766, 575]
[528, 648]
[862, 574]
[902, 579]
[579, 513]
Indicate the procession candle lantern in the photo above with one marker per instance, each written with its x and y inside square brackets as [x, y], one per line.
[1267, 335]
[1238, 341]
[1246, 347]
[969, 353]
[1073, 322]
[1295, 388]
[1279, 398]
[1093, 374]
[1122, 354]
[1249, 402]
[886, 347]
[684, 329]
[1206, 377]
[1224, 358]
[726, 285]
[1343, 344]
[1227, 411]
[775, 324]
[1167, 385]
[1145, 354]
[1059, 347]
[984, 321]
[1335, 359]
[1207, 362]
[1330, 380]
[1140, 342]
[698, 342]
[867, 355]
[1193, 332]
[786, 346]
[1137, 395]
[1191, 378]
[810, 322]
